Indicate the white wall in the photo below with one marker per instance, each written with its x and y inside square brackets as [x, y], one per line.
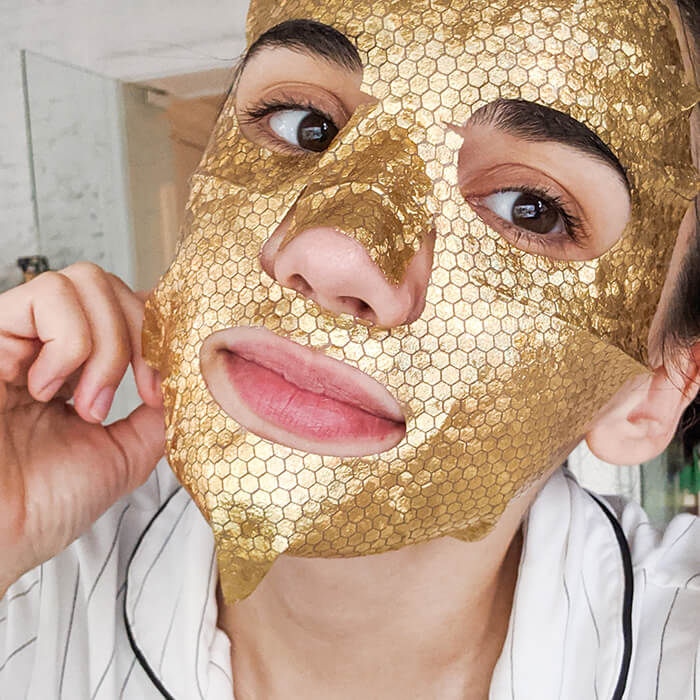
[77, 148]
[125, 39]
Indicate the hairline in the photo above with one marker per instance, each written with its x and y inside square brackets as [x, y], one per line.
[311, 38]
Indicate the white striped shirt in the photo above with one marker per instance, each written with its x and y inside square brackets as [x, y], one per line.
[129, 609]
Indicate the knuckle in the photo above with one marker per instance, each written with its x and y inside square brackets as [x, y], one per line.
[117, 281]
[129, 301]
[55, 283]
[85, 270]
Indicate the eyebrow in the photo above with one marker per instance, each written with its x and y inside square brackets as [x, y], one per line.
[310, 37]
[534, 122]
[526, 120]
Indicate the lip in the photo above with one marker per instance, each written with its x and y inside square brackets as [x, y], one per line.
[299, 397]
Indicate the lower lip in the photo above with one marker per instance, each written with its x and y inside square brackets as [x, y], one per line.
[301, 412]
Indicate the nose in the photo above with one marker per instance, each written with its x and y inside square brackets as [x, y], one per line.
[337, 272]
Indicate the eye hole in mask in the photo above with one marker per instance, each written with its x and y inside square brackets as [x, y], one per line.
[543, 181]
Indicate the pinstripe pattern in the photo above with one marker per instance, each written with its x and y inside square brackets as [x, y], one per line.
[212, 570]
[26, 591]
[126, 680]
[134, 555]
[160, 551]
[68, 635]
[19, 649]
[112, 549]
[661, 645]
[112, 656]
[171, 624]
[595, 626]
[226, 672]
[567, 595]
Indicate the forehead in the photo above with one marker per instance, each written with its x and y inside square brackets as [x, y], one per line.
[516, 43]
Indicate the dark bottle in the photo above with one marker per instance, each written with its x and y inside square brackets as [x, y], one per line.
[33, 265]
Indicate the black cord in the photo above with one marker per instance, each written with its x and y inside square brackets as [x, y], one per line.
[132, 642]
[627, 599]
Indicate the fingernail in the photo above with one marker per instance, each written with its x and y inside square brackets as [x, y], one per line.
[50, 389]
[101, 403]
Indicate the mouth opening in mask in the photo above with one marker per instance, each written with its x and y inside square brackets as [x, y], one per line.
[295, 396]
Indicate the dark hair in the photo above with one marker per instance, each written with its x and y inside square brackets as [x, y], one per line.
[300, 34]
[680, 329]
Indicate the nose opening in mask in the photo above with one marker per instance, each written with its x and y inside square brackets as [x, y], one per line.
[336, 271]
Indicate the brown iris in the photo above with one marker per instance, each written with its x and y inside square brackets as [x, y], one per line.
[315, 132]
[534, 213]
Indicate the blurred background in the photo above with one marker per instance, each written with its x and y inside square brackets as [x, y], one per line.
[106, 109]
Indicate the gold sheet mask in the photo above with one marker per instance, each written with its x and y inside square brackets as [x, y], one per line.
[514, 353]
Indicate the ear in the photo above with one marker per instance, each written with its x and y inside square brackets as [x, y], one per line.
[641, 419]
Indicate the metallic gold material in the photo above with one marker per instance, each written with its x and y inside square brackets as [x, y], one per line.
[514, 353]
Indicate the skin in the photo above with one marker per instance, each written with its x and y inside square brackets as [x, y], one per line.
[350, 625]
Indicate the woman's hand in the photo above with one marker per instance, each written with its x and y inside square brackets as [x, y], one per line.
[68, 334]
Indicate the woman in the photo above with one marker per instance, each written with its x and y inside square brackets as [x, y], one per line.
[416, 271]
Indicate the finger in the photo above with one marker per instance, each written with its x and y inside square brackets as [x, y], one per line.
[147, 378]
[48, 309]
[111, 346]
[67, 391]
[16, 357]
[140, 438]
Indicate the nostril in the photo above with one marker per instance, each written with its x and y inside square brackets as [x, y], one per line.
[299, 284]
[357, 307]
[363, 307]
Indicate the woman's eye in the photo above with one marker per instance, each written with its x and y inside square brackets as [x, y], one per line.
[303, 128]
[526, 210]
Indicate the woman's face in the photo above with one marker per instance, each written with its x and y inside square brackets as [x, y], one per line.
[413, 279]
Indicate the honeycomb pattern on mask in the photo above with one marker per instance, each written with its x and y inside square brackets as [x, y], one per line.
[513, 354]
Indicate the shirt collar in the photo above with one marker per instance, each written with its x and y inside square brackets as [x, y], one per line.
[170, 605]
[564, 637]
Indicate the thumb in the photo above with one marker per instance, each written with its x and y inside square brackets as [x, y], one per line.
[140, 438]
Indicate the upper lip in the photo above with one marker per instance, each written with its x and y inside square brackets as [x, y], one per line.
[310, 370]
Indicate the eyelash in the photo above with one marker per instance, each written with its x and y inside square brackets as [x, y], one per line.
[573, 225]
[256, 113]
